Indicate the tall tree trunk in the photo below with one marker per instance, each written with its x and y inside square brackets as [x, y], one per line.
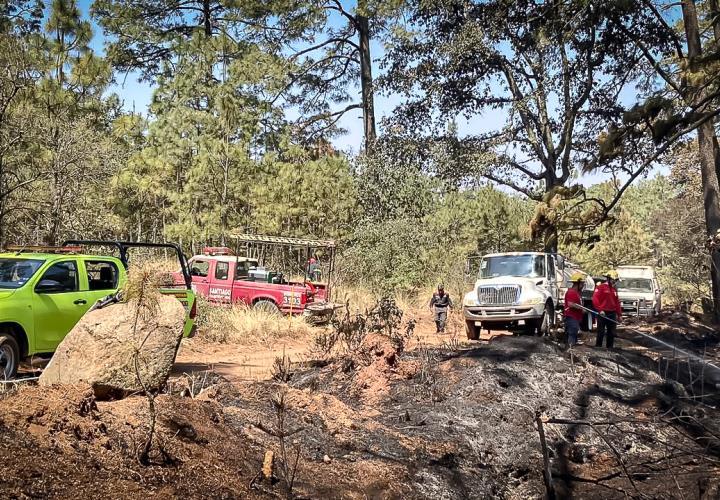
[2, 204]
[224, 201]
[550, 236]
[715, 16]
[207, 22]
[708, 149]
[51, 238]
[714, 12]
[550, 245]
[366, 81]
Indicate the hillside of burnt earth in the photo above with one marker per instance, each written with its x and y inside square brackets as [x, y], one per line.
[463, 425]
[428, 423]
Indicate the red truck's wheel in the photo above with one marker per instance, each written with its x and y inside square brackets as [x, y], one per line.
[267, 306]
[9, 356]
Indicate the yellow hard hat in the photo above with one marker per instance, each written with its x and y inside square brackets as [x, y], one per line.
[612, 274]
[577, 277]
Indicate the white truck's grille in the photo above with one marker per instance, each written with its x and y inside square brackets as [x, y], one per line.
[498, 295]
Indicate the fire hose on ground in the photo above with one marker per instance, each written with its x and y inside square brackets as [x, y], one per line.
[712, 367]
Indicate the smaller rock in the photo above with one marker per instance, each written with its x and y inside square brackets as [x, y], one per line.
[326, 459]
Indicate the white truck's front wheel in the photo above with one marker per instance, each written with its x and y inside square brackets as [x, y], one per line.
[472, 330]
[547, 320]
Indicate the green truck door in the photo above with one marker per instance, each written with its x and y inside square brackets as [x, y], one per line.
[59, 303]
[103, 278]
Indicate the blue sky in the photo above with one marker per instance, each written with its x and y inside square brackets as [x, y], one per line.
[136, 96]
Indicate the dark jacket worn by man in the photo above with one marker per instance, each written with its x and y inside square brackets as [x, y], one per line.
[440, 303]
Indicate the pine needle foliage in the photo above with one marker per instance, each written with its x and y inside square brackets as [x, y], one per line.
[142, 291]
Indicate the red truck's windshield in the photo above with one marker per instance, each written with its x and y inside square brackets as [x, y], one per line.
[200, 266]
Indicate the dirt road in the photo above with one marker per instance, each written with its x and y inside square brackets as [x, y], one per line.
[254, 362]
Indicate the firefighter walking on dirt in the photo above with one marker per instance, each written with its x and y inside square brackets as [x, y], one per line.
[439, 304]
[573, 308]
[607, 304]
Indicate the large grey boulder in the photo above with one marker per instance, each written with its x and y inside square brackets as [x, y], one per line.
[104, 351]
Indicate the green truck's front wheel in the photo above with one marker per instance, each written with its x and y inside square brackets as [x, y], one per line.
[9, 356]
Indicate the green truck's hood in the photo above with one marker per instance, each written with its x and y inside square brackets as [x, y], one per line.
[6, 293]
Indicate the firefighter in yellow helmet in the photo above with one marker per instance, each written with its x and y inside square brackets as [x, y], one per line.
[573, 311]
[607, 304]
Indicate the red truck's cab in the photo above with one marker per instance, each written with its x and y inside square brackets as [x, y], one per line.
[222, 277]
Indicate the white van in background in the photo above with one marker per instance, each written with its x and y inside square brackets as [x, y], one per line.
[639, 291]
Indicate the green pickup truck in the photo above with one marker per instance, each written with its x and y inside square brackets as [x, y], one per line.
[44, 291]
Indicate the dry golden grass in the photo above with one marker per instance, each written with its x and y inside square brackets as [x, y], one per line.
[413, 303]
[240, 324]
[243, 325]
[359, 299]
[158, 263]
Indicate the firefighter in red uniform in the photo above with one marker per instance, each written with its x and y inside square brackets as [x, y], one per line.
[573, 308]
[606, 303]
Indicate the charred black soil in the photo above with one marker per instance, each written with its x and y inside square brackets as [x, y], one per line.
[429, 423]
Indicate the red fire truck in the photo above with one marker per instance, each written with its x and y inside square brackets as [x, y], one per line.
[223, 276]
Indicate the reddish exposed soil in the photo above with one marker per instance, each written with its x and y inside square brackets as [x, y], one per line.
[59, 443]
[237, 362]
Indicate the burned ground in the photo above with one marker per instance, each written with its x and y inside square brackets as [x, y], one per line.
[448, 423]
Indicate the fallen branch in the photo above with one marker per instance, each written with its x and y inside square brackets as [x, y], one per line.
[547, 474]
[619, 459]
[19, 380]
[567, 421]
[277, 433]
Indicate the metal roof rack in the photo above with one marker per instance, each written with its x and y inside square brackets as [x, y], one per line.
[282, 240]
[124, 246]
[263, 243]
[42, 249]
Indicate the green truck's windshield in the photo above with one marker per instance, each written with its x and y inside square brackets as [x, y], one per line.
[635, 285]
[14, 273]
[527, 266]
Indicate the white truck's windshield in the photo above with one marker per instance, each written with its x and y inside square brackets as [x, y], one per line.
[635, 285]
[526, 266]
[14, 273]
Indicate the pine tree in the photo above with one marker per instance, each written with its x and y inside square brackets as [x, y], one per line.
[298, 196]
[206, 141]
[21, 17]
[148, 35]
